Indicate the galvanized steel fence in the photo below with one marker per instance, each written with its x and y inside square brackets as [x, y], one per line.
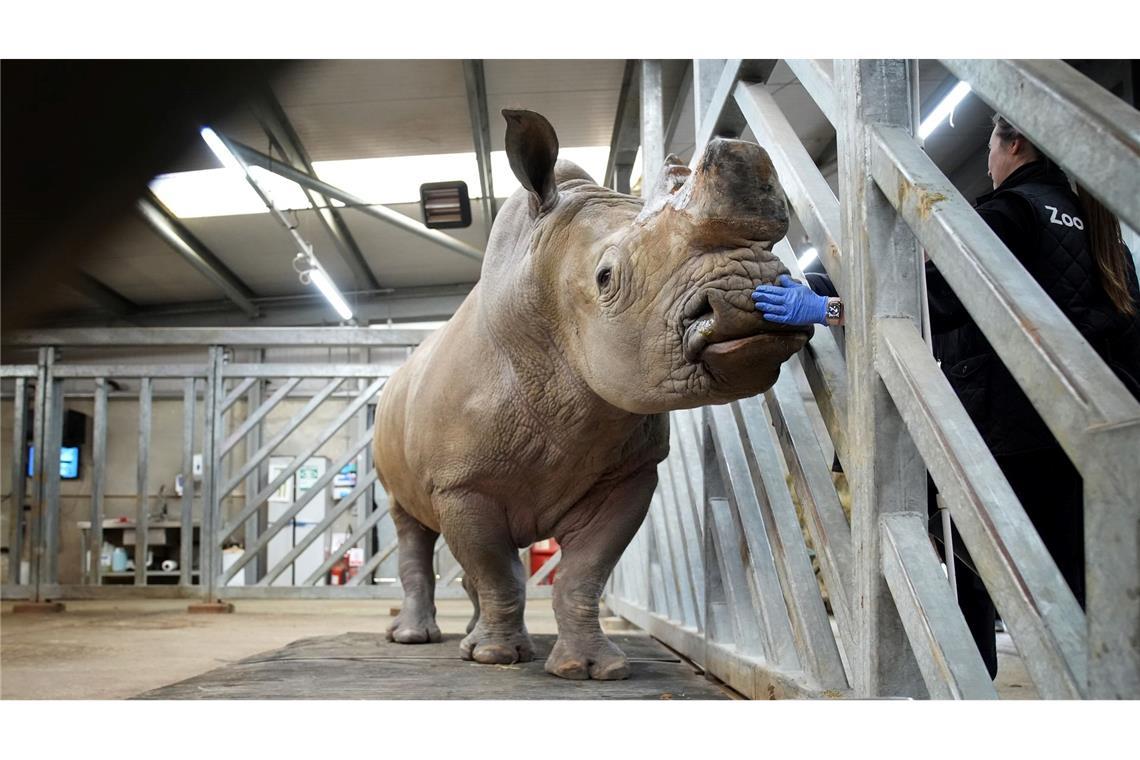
[721, 569]
[239, 517]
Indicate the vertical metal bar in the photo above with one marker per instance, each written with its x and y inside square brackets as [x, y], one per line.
[142, 510]
[35, 518]
[253, 526]
[706, 76]
[1112, 562]
[19, 478]
[361, 508]
[681, 574]
[211, 478]
[99, 479]
[689, 531]
[186, 545]
[885, 470]
[53, 434]
[652, 124]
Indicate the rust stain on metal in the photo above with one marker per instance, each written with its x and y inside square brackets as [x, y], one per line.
[926, 203]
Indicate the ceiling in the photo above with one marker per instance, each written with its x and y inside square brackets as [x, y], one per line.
[384, 108]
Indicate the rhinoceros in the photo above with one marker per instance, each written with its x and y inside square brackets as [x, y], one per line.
[540, 409]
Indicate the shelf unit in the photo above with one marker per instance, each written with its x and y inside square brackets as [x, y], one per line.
[164, 540]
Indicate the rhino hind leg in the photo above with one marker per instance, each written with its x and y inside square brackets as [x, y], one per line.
[469, 587]
[589, 554]
[494, 579]
[416, 622]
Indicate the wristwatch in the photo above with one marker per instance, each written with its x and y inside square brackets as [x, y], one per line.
[834, 312]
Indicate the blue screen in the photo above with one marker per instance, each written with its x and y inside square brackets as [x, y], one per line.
[68, 462]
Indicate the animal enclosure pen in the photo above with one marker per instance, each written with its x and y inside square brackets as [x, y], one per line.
[724, 569]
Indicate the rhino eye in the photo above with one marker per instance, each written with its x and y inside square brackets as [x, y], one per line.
[603, 277]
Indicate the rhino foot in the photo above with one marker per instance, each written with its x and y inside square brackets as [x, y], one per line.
[597, 658]
[497, 649]
[413, 630]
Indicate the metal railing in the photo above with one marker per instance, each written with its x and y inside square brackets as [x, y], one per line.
[255, 416]
[885, 410]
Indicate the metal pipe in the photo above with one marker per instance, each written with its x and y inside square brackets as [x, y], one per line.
[99, 479]
[142, 519]
[481, 135]
[185, 554]
[256, 158]
[276, 124]
[19, 474]
[195, 252]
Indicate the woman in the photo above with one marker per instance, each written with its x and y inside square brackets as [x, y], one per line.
[1072, 247]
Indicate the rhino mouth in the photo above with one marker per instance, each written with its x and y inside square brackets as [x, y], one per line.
[714, 323]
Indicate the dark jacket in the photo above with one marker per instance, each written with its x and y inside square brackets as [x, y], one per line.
[1038, 217]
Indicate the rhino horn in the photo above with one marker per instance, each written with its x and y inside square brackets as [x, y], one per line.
[734, 188]
[532, 149]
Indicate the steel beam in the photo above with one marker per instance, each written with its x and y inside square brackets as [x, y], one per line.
[627, 133]
[951, 666]
[808, 193]
[378, 211]
[1086, 129]
[195, 252]
[1028, 589]
[217, 336]
[17, 521]
[816, 77]
[476, 83]
[104, 296]
[652, 124]
[186, 548]
[142, 506]
[1059, 371]
[276, 124]
[752, 531]
[721, 117]
[684, 95]
[814, 639]
[883, 275]
[823, 514]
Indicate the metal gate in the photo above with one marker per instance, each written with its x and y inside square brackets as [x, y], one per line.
[239, 516]
[721, 569]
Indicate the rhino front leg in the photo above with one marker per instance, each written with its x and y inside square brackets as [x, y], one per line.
[416, 622]
[591, 546]
[477, 532]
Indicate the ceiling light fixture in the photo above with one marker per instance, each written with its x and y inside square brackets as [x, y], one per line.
[310, 270]
[943, 109]
[306, 264]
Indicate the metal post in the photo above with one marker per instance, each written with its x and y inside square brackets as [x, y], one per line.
[1112, 562]
[882, 261]
[253, 526]
[706, 75]
[186, 548]
[19, 478]
[211, 479]
[652, 124]
[99, 480]
[142, 511]
[35, 517]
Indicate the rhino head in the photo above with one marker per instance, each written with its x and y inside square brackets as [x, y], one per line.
[646, 301]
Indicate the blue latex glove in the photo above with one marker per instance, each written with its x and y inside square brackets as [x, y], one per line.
[790, 303]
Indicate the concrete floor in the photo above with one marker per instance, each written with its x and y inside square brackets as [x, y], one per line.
[115, 650]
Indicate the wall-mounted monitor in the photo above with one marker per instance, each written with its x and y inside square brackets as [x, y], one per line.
[68, 462]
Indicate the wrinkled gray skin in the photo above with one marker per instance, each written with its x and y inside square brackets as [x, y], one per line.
[539, 410]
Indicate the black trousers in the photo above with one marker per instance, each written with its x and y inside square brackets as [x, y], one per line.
[1051, 490]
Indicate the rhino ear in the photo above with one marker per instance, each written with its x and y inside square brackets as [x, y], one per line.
[532, 148]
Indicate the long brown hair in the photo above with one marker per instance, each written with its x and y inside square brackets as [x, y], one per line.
[1102, 227]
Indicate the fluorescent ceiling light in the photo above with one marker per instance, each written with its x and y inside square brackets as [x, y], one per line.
[228, 159]
[943, 109]
[388, 181]
[329, 291]
[808, 257]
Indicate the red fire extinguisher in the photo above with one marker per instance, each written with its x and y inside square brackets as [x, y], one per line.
[339, 572]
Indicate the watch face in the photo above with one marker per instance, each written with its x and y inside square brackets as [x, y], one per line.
[833, 309]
